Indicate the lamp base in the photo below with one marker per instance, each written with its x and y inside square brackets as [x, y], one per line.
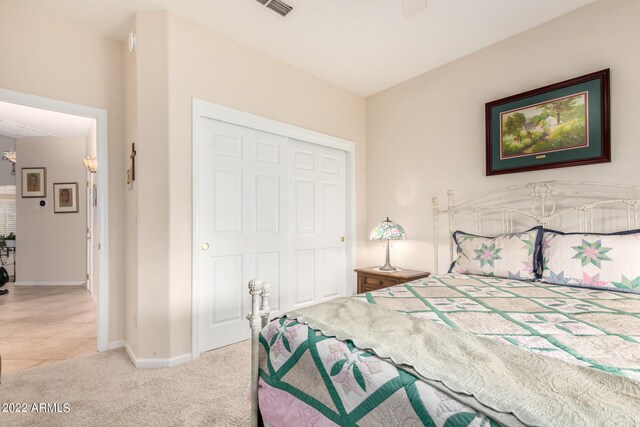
[388, 269]
[387, 264]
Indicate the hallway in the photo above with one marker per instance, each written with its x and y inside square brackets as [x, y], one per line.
[45, 324]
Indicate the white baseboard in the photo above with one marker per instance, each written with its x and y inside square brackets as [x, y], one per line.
[115, 344]
[49, 283]
[157, 363]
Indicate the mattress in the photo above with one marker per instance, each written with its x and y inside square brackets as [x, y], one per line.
[307, 378]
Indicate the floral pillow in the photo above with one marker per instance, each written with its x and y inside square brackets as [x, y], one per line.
[600, 261]
[513, 256]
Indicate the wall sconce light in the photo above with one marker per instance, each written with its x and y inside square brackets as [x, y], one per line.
[90, 163]
[11, 156]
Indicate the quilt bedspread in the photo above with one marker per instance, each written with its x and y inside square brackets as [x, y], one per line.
[307, 378]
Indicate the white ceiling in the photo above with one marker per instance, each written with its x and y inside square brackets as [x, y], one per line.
[19, 121]
[361, 45]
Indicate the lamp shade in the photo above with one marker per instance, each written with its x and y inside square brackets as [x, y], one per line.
[388, 230]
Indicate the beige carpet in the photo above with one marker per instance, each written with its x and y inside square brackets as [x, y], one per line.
[105, 389]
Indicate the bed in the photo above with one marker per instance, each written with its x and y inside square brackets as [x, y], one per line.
[467, 349]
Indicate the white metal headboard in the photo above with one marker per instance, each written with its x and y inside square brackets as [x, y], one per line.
[546, 203]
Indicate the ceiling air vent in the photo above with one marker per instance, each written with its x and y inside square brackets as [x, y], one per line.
[277, 6]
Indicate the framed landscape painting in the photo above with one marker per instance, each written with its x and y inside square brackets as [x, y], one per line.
[560, 125]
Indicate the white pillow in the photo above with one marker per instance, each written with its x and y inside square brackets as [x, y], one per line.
[513, 256]
[599, 261]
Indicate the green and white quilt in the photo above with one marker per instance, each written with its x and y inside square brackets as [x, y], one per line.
[307, 378]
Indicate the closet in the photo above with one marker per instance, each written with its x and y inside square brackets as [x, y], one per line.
[270, 207]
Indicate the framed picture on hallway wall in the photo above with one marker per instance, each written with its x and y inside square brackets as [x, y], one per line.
[560, 125]
[65, 197]
[34, 182]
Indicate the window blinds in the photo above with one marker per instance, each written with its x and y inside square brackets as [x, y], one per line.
[7, 216]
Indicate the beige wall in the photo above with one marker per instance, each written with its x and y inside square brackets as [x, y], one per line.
[47, 57]
[131, 199]
[432, 128]
[177, 60]
[150, 191]
[427, 134]
[205, 65]
[51, 247]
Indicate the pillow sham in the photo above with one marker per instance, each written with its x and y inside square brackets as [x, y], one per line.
[597, 261]
[512, 256]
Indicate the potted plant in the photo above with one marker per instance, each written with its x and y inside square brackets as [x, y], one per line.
[10, 240]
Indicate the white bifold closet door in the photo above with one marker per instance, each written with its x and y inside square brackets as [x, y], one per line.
[270, 208]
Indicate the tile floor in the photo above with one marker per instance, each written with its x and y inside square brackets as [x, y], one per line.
[45, 324]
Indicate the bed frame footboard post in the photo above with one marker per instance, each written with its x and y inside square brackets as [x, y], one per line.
[450, 212]
[255, 319]
[264, 303]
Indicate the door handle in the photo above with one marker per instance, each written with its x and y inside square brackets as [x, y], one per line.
[342, 238]
[204, 246]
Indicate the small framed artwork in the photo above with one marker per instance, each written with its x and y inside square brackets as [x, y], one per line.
[34, 182]
[65, 197]
[560, 125]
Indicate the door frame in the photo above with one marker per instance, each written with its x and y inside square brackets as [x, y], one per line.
[87, 241]
[101, 118]
[90, 224]
[202, 108]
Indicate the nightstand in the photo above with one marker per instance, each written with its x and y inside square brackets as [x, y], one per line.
[372, 279]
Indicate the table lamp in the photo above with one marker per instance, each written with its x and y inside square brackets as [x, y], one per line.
[388, 230]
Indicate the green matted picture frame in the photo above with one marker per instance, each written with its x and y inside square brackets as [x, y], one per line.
[560, 125]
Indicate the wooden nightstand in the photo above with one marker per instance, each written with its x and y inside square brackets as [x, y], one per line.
[372, 279]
